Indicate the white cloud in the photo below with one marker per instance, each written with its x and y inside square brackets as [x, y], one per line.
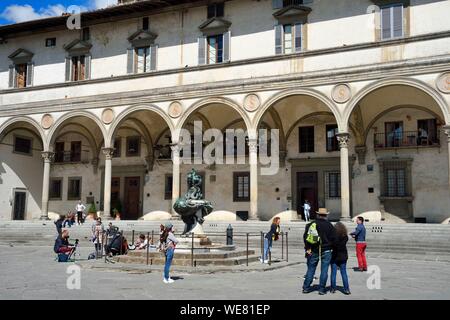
[20, 13]
[100, 4]
[17, 13]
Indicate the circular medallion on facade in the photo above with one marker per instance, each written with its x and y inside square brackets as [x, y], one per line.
[107, 116]
[47, 121]
[252, 102]
[443, 82]
[341, 93]
[175, 109]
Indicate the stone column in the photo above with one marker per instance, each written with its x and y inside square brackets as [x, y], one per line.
[253, 157]
[48, 158]
[108, 152]
[345, 176]
[175, 175]
[447, 132]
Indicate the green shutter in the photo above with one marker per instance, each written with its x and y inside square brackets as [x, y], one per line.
[153, 57]
[226, 46]
[278, 37]
[202, 50]
[130, 60]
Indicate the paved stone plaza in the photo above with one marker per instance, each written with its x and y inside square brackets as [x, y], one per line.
[31, 273]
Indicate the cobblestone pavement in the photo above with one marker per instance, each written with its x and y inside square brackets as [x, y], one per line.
[32, 273]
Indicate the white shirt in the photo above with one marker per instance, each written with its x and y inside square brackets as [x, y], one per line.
[307, 207]
[80, 207]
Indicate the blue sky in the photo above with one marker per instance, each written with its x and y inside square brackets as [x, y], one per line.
[13, 11]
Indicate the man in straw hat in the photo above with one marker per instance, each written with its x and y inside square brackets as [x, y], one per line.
[319, 237]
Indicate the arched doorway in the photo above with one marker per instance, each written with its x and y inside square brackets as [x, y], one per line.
[310, 170]
[21, 170]
[226, 182]
[402, 153]
[141, 163]
[75, 141]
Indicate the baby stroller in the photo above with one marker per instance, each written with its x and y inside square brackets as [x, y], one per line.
[116, 243]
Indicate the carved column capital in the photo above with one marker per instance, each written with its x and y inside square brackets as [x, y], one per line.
[447, 132]
[175, 149]
[48, 156]
[361, 152]
[94, 163]
[343, 139]
[253, 145]
[108, 153]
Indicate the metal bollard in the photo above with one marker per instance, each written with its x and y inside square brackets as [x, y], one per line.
[132, 237]
[282, 246]
[229, 235]
[287, 248]
[192, 251]
[148, 246]
[247, 249]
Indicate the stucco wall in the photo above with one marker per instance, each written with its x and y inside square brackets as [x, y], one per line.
[253, 36]
[20, 171]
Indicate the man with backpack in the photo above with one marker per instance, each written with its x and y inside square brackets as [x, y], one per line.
[319, 237]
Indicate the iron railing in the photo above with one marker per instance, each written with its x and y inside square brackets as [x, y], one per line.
[399, 139]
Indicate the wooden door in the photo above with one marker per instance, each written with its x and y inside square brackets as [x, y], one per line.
[307, 189]
[132, 198]
[19, 205]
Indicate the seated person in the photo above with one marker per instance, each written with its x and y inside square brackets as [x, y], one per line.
[142, 242]
[423, 137]
[62, 243]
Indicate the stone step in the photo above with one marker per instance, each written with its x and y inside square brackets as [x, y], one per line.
[199, 256]
[188, 262]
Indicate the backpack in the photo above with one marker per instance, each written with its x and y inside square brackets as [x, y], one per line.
[312, 236]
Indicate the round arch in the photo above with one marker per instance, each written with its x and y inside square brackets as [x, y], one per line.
[28, 120]
[216, 100]
[59, 124]
[299, 92]
[392, 82]
[124, 115]
[311, 115]
[381, 114]
[92, 143]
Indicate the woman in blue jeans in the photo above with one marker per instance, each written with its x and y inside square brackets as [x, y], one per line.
[168, 242]
[272, 235]
[339, 258]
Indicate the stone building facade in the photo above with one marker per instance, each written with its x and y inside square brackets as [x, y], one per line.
[359, 91]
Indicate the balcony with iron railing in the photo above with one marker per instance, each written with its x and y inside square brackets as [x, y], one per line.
[64, 157]
[287, 3]
[405, 139]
